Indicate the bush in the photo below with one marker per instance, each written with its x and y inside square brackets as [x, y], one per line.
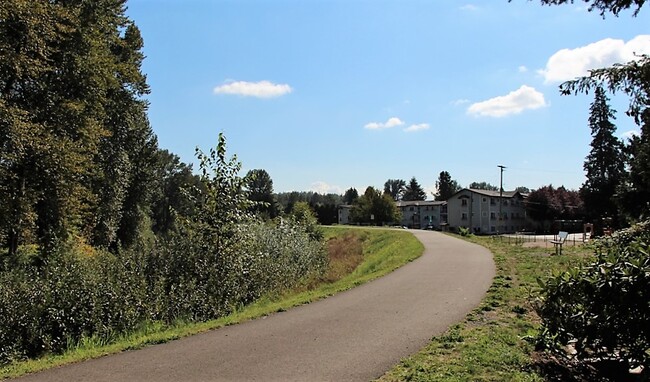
[603, 308]
[213, 264]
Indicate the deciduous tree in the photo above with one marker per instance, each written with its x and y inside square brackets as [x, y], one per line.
[395, 188]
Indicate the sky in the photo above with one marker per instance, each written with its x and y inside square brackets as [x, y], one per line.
[328, 95]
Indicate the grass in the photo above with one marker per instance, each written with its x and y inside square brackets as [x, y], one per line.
[495, 342]
[357, 255]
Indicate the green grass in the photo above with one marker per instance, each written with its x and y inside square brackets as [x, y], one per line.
[495, 342]
[383, 251]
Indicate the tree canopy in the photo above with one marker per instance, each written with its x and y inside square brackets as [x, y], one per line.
[78, 154]
[605, 165]
[483, 186]
[446, 186]
[413, 191]
[604, 6]
[395, 188]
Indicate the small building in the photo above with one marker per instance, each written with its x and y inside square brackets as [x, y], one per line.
[344, 213]
[423, 214]
[487, 212]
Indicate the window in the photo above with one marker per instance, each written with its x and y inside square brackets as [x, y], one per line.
[493, 229]
[484, 200]
[492, 201]
[463, 202]
[493, 215]
[484, 214]
[411, 209]
[505, 202]
[463, 216]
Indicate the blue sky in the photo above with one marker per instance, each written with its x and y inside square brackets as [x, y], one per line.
[327, 95]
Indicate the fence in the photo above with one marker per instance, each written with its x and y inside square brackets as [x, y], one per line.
[521, 238]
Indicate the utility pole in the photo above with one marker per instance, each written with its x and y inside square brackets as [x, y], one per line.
[500, 197]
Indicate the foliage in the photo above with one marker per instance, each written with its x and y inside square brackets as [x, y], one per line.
[605, 165]
[395, 188]
[350, 196]
[324, 205]
[374, 208]
[303, 215]
[613, 6]
[633, 79]
[413, 191]
[464, 231]
[176, 188]
[549, 203]
[205, 268]
[76, 147]
[446, 186]
[259, 186]
[482, 186]
[602, 308]
[383, 251]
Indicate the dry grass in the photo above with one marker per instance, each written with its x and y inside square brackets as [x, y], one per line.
[345, 254]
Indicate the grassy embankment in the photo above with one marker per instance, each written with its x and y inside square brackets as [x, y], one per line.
[496, 341]
[356, 256]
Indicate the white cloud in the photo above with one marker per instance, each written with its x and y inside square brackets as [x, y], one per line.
[392, 122]
[629, 134]
[469, 7]
[421, 126]
[459, 102]
[324, 188]
[262, 89]
[522, 69]
[567, 64]
[514, 102]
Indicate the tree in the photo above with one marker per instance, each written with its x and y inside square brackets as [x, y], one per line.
[523, 190]
[633, 79]
[446, 186]
[548, 203]
[613, 6]
[395, 188]
[260, 190]
[176, 187]
[413, 191]
[351, 195]
[374, 208]
[76, 147]
[604, 166]
[483, 186]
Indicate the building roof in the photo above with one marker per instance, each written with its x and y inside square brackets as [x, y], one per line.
[490, 193]
[406, 203]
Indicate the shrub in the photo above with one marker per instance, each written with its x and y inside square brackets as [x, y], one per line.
[603, 307]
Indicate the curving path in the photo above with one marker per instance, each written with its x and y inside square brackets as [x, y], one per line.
[354, 336]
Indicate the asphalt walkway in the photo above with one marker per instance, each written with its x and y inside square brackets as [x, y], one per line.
[354, 336]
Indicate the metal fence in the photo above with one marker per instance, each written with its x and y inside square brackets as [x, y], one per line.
[521, 238]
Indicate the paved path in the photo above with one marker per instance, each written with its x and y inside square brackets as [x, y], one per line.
[354, 336]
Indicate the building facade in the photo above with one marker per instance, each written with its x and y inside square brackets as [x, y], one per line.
[485, 212]
[423, 214]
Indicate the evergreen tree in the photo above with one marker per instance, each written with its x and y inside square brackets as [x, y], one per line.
[446, 186]
[604, 166]
[413, 191]
[350, 196]
[395, 188]
[260, 190]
